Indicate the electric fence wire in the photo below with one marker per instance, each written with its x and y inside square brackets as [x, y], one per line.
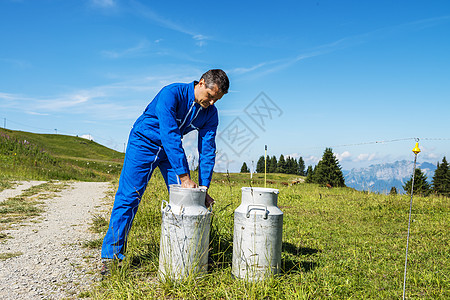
[409, 223]
[379, 142]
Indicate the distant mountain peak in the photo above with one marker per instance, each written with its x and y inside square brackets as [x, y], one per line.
[381, 178]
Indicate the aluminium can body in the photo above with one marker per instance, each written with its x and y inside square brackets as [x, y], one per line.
[257, 238]
[184, 234]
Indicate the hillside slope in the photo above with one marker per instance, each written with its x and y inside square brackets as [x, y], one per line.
[66, 146]
[26, 155]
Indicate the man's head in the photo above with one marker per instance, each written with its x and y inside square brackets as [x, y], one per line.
[211, 87]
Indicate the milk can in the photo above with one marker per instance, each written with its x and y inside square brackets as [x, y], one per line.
[258, 226]
[184, 234]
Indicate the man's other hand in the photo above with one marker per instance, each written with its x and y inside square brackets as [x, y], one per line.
[186, 181]
[208, 200]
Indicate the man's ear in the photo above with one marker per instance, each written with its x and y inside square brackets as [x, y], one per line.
[201, 82]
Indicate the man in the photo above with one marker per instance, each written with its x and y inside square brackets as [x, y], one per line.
[155, 141]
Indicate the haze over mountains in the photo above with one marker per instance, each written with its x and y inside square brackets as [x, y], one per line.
[382, 177]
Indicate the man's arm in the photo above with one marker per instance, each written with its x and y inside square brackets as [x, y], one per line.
[170, 135]
[207, 149]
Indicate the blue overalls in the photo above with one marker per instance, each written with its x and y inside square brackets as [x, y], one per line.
[155, 141]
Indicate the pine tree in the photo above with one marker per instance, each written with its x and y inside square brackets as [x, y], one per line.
[329, 171]
[281, 167]
[244, 168]
[421, 186]
[294, 166]
[309, 174]
[393, 191]
[272, 166]
[291, 165]
[260, 165]
[301, 167]
[441, 179]
[288, 164]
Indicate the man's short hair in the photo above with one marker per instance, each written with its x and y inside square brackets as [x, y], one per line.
[216, 76]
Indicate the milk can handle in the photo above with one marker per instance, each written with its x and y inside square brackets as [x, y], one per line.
[257, 206]
[164, 202]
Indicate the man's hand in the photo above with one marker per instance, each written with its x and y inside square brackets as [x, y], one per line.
[186, 181]
[208, 200]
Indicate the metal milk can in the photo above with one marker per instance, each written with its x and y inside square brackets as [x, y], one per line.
[184, 234]
[258, 227]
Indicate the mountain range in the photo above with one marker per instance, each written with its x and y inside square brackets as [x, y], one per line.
[381, 178]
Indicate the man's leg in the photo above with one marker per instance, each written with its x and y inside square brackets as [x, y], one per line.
[140, 160]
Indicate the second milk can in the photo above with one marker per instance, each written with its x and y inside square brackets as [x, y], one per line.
[184, 234]
[258, 227]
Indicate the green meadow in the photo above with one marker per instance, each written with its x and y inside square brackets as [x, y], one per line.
[337, 243]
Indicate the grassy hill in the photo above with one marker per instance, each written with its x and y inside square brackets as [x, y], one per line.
[26, 155]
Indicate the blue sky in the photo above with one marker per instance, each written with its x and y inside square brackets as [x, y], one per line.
[362, 77]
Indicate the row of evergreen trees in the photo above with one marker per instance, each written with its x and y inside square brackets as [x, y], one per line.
[326, 172]
[287, 166]
[440, 184]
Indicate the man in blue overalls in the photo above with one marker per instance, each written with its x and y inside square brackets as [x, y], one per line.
[155, 141]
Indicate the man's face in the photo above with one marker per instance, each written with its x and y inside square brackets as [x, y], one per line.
[206, 96]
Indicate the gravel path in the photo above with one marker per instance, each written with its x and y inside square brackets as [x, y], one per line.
[23, 185]
[54, 265]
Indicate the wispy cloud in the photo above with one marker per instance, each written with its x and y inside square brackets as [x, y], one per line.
[432, 156]
[36, 113]
[293, 155]
[201, 40]
[103, 102]
[42, 105]
[243, 70]
[146, 48]
[366, 157]
[268, 67]
[165, 22]
[140, 48]
[343, 156]
[311, 160]
[14, 97]
[264, 68]
[17, 63]
[103, 3]
[89, 103]
[430, 153]
[67, 101]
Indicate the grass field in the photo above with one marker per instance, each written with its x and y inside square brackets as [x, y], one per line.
[337, 243]
[25, 155]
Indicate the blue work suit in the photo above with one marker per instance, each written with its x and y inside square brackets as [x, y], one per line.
[155, 141]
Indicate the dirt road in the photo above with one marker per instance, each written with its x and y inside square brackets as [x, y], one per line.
[51, 262]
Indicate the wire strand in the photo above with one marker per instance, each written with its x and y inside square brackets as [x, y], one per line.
[380, 142]
[409, 226]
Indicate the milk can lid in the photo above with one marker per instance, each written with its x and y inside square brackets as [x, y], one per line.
[179, 188]
[260, 190]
